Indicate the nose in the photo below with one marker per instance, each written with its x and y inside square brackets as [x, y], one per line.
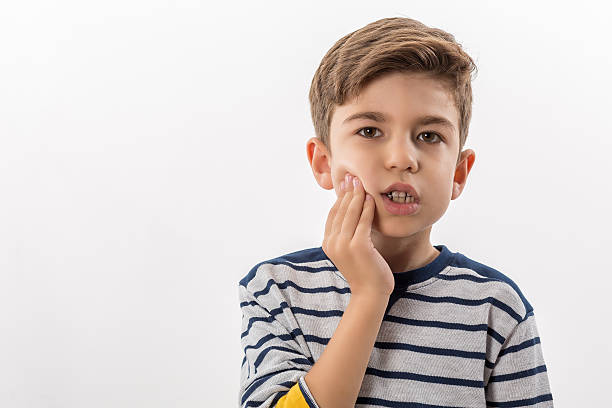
[401, 154]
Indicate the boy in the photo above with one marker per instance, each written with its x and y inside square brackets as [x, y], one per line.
[377, 316]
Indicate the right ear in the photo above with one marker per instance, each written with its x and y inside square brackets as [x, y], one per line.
[320, 160]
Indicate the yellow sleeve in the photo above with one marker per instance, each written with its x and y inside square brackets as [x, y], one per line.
[292, 399]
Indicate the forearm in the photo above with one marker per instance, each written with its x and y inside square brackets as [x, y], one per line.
[335, 379]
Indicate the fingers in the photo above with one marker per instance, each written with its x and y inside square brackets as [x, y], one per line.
[351, 214]
[333, 212]
[341, 212]
[364, 227]
[354, 209]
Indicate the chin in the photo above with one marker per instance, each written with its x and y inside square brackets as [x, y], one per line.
[394, 229]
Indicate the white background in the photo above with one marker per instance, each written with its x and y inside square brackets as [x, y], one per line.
[152, 152]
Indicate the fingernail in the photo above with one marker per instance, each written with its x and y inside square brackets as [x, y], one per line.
[347, 178]
[342, 185]
[356, 182]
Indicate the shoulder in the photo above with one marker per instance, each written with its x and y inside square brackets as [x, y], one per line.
[292, 279]
[499, 286]
[290, 266]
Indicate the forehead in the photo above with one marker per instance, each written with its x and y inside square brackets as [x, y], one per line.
[401, 97]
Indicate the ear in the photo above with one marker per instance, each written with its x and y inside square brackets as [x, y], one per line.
[466, 161]
[320, 160]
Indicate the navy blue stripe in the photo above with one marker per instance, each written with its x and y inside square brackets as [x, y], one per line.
[287, 384]
[265, 339]
[251, 303]
[258, 403]
[465, 276]
[436, 379]
[518, 374]
[465, 302]
[500, 339]
[252, 321]
[521, 403]
[518, 347]
[379, 402]
[267, 319]
[305, 361]
[311, 338]
[430, 350]
[436, 323]
[318, 313]
[265, 351]
[276, 398]
[309, 255]
[287, 283]
[255, 384]
[303, 268]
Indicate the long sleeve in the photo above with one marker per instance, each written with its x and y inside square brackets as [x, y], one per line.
[274, 361]
[519, 377]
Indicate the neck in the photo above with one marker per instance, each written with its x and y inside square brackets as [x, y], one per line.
[405, 253]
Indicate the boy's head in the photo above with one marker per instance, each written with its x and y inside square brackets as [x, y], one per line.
[419, 81]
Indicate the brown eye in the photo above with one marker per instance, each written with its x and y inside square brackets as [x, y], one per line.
[367, 136]
[432, 134]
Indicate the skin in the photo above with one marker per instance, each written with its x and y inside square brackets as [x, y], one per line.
[398, 150]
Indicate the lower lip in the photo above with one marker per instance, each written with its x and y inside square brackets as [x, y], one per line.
[399, 208]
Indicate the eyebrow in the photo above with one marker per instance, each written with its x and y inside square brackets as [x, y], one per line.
[380, 117]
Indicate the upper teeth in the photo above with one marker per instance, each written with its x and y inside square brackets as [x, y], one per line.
[398, 194]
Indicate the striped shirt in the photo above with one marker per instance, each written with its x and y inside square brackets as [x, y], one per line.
[456, 333]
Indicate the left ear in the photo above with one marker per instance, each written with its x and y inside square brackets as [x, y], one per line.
[466, 161]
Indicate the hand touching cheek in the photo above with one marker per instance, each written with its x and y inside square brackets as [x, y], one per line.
[347, 242]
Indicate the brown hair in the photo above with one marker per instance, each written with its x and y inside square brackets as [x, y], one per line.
[385, 46]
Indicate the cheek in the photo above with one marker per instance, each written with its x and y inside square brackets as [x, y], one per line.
[338, 177]
[340, 172]
[371, 186]
[358, 168]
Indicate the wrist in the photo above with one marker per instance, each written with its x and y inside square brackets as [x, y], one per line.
[370, 295]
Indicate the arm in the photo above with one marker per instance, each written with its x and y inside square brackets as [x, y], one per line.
[519, 375]
[336, 377]
[274, 356]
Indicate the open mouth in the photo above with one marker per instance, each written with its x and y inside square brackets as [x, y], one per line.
[399, 198]
[400, 208]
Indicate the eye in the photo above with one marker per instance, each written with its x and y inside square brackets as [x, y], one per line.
[423, 133]
[432, 133]
[367, 137]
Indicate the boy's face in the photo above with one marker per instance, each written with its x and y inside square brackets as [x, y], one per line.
[398, 149]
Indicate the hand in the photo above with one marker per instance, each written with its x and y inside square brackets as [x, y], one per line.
[348, 242]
